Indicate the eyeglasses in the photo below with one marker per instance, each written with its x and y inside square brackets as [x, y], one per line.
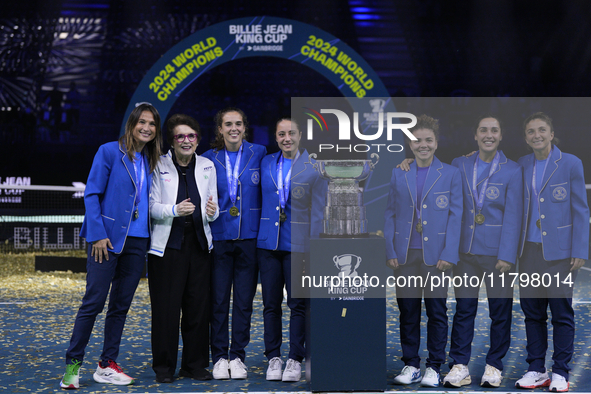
[181, 137]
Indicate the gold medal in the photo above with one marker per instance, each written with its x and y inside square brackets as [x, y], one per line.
[479, 218]
[539, 223]
[419, 228]
[234, 211]
[282, 217]
[136, 214]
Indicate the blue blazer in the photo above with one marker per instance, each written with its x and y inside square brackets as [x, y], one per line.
[564, 213]
[441, 213]
[248, 196]
[503, 206]
[109, 196]
[303, 207]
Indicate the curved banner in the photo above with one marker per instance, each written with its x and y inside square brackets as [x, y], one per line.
[258, 36]
[266, 36]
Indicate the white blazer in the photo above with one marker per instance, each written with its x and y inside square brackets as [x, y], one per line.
[165, 184]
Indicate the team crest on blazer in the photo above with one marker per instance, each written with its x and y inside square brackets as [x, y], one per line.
[298, 192]
[442, 202]
[255, 177]
[492, 193]
[559, 193]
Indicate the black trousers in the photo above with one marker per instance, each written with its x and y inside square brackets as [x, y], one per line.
[409, 304]
[180, 285]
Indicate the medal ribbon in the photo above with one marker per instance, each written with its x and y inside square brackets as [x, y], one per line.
[533, 182]
[138, 194]
[283, 186]
[418, 206]
[480, 197]
[232, 174]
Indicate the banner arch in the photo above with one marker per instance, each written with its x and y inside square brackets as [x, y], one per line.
[276, 37]
[241, 38]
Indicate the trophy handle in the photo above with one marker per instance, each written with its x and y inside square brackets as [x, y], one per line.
[374, 156]
[315, 164]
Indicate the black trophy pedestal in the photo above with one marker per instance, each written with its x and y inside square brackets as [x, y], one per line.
[346, 326]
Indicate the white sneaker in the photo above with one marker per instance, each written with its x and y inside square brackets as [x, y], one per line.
[458, 376]
[430, 379]
[237, 369]
[293, 371]
[492, 377]
[274, 369]
[533, 380]
[113, 374]
[559, 383]
[220, 369]
[408, 375]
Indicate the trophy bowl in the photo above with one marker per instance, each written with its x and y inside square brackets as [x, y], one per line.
[344, 213]
[345, 169]
[349, 169]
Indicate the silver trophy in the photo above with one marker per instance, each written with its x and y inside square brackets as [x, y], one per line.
[344, 213]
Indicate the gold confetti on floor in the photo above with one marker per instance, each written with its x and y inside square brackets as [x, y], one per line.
[37, 312]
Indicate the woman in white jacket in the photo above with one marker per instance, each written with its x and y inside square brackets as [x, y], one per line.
[182, 203]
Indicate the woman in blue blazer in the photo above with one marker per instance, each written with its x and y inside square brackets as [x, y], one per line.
[116, 227]
[491, 223]
[238, 167]
[422, 229]
[290, 186]
[555, 244]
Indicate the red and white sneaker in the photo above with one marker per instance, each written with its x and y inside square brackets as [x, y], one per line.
[113, 374]
[533, 380]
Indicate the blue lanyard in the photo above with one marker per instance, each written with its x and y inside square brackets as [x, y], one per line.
[418, 205]
[232, 174]
[533, 178]
[480, 197]
[138, 194]
[283, 186]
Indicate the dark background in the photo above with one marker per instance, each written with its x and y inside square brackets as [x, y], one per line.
[419, 48]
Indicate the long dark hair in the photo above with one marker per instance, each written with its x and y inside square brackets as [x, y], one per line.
[218, 143]
[153, 148]
[287, 118]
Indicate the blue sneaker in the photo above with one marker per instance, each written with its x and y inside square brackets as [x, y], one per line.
[408, 375]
